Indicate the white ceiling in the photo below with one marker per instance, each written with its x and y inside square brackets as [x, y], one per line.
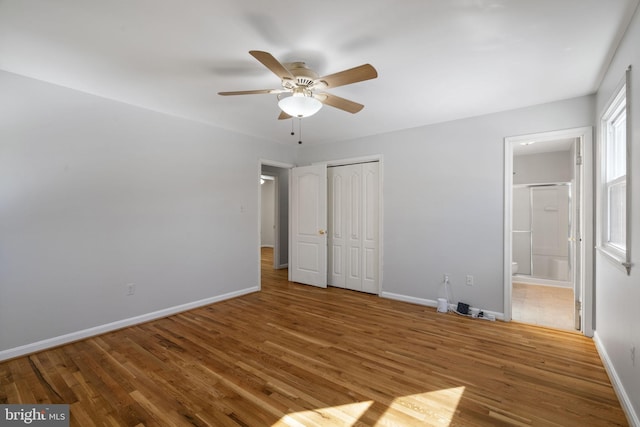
[438, 60]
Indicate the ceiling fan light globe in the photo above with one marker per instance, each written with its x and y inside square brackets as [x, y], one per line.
[300, 106]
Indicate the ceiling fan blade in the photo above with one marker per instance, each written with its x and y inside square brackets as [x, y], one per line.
[283, 116]
[272, 64]
[338, 102]
[352, 75]
[250, 92]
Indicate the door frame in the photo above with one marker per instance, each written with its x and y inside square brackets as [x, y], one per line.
[584, 136]
[366, 159]
[277, 214]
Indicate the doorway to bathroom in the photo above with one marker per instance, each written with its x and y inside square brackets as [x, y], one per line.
[546, 282]
[543, 291]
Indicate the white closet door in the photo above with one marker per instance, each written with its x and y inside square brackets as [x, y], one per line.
[370, 227]
[337, 229]
[353, 262]
[353, 227]
[308, 225]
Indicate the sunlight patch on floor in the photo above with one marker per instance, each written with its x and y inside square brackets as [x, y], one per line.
[341, 415]
[432, 408]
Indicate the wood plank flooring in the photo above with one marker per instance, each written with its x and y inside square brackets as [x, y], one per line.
[302, 356]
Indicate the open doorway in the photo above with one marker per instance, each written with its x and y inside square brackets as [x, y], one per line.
[274, 216]
[543, 235]
[546, 282]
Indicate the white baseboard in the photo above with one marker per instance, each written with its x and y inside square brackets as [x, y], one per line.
[625, 400]
[432, 303]
[528, 280]
[97, 330]
[406, 298]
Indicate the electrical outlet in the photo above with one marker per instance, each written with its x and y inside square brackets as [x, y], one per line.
[131, 289]
[469, 280]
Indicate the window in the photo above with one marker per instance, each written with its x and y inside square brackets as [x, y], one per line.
[615, 185]
[613, 236]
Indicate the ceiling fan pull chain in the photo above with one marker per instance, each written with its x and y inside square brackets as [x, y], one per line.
[292, 132]
[300, 130]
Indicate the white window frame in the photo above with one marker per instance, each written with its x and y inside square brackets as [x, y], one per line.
[620, 254]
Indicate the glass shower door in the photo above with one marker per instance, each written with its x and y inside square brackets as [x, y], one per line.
[521, 235]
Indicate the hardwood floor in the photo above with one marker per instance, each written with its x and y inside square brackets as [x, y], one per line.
[298, 355]
[543, 305]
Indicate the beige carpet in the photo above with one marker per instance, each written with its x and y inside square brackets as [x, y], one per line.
[543, 305]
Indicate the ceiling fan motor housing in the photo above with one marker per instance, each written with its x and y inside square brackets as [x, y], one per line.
[304, 76]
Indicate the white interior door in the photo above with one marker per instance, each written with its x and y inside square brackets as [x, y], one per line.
[370, 227]
[338, 203]
[308, 189]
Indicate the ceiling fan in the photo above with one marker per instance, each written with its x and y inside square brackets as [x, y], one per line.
[302, 89]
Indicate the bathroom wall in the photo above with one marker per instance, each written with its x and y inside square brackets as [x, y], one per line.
[542, 168]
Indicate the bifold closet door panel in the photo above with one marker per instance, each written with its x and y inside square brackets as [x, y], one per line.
[370, 227]
[353, 227]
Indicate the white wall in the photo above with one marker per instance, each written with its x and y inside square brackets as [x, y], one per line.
[267, 212]
[542, 168]
[443, 198]
[96, 194]
[618, 295]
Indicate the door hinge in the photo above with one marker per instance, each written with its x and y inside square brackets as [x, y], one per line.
[578, 316]
[579, 160]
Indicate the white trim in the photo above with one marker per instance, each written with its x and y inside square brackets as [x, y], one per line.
[276, 223]
[508, 226]
[351, 161]
[276, 164]
[614, 258]
[98, 330]
[432, 303]
[620, 96]
[623, 397]
[585, 136]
